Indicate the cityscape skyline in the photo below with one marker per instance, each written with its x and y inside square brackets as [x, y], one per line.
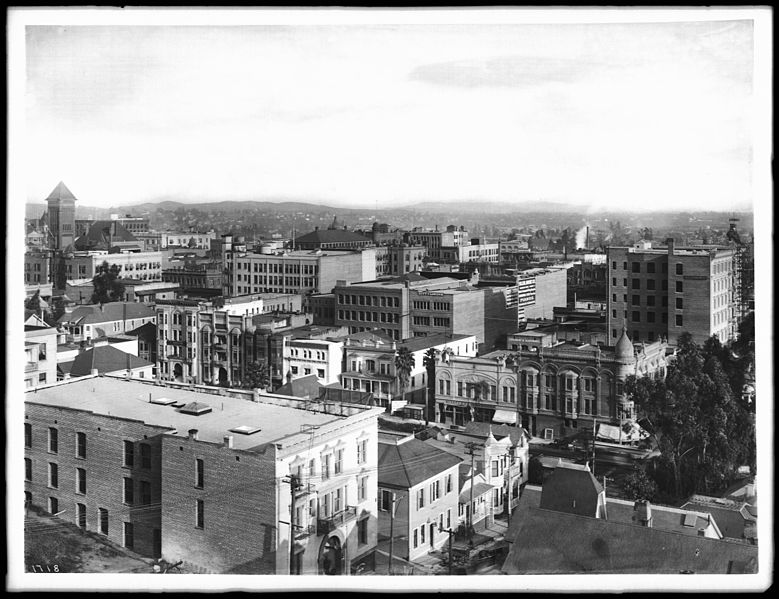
[395, 114]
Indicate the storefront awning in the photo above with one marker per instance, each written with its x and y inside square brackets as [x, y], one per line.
[505, 417]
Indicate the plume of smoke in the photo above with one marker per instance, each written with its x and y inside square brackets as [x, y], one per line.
[581, 237]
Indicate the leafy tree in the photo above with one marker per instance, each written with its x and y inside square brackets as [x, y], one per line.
[703, 432]
[404, 364]
[108, 284]
[256, 376]
[429, 361]
[639, 486]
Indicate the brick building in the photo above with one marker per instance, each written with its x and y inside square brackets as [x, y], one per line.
[201, 477]
[550, 388]
[662, 292]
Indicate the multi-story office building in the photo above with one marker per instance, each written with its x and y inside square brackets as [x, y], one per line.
[549, 388]
[207, 341]
[204, 477]
[398, 260]
[335, 237]
[369, 363]
[300, 272]
[415, 307]
[201, 277]
[146, 266]
[435, 240]
[305, 354]
[62, 217]
[662, 292]
[38, 266]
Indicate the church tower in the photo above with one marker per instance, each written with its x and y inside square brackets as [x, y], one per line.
[62, 217]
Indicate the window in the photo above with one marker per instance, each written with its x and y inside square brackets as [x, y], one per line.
[54, 481]
[650, 300]
[54, 505]
[199, 473]
[128, 491]
[199, 514]
[326, 466]
[636, 316]
[81, 445]
[129, 454]
[53, 440]
[362, 531]
[362, 451]
[636, 300]
[494, 467]
[448, 483]
[679, 303]
[650, 268]
[81, 481]
[614, 265]
[635, 283]
[362, 488]
[420, 498]
[102, 518]
[679, 320]
[27, 435]
[339, 461]
[385, 504]
[650, 317]
[129, 540]
[650, 284]
[145, 492]
[679, 287]
[81, 515]
[422, 534]
[435, 490]
[679, 269]
[27, 469]
[416, 538]
[145, 455]
[635, 267]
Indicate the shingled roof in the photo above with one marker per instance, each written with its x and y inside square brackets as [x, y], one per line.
[102, 234]
[61, 192]
[411, 462]
[111, 312]
[571, 490]
[105, 358]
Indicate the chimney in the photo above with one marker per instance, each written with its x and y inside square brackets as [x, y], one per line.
[192, 435]
[670, 243]
[93, 372]
[643, 513]
[228, 441]
[256, 395]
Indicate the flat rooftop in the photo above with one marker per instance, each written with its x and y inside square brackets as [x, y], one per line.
[129, 399]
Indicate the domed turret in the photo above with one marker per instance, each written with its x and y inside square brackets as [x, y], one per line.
[624, 347]
[490, 440]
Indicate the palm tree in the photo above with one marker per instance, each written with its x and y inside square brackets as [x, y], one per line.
[404, 364]
[429, 360]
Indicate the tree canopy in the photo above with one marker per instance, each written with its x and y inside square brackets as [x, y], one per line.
[703, 429]
[404, 364]
[256, 376]
[108, 284]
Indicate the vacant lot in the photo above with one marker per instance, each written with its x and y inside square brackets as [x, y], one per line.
[52, 545]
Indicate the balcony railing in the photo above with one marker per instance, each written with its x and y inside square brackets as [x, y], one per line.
[304, 532]
[30, 367]
[327, 525]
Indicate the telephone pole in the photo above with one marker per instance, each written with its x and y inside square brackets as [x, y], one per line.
[470, 446]
[392, 531]
[294, 485]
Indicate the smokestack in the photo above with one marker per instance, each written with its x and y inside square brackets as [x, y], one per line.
[587, 239]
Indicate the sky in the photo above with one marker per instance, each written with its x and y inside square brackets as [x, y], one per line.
[642, 115]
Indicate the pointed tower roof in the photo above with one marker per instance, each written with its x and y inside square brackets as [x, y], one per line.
[61, 192]
[490, 440]
[335, 224]
[624, 348]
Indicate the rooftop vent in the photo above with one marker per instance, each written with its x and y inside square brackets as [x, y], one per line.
[195, 408]
[690, 519]
[245, 430]
[162, 401]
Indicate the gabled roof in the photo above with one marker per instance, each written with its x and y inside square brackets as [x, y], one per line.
[61, 192]
[499, 431]
[105, 358]
[572, 491]
[102, 235]
[111, 312]
[411, 462]
[305, 387]
[549, 542]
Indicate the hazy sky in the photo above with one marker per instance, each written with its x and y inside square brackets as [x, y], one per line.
[641, 115]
